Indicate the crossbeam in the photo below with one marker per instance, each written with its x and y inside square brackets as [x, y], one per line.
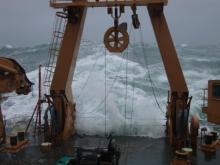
[102, 3]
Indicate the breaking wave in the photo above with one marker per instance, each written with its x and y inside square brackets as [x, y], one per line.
[128, 107]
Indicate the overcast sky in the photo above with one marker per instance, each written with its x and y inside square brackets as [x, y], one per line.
[30, 22]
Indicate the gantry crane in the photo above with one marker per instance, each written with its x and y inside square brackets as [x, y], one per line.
[116, 39]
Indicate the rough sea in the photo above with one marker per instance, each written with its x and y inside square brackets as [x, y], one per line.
[116, 89]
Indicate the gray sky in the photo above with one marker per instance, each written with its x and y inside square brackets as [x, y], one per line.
[30, 22]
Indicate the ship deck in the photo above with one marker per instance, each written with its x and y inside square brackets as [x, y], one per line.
[134, 151]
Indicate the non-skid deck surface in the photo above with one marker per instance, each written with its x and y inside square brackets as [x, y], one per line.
[134, 151]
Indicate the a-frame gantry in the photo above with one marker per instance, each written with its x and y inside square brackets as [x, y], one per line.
[61, 91]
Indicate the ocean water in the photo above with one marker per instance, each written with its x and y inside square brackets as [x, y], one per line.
[113, 92]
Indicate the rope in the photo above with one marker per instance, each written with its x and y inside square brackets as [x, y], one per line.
[148, 71]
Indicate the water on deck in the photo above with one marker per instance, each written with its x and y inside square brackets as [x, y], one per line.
[134, 151]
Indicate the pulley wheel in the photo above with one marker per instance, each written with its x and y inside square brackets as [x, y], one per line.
[116, 39]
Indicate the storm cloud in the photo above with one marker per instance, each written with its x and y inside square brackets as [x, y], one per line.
[30, 22]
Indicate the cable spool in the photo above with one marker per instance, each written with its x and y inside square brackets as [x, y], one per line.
[134, 17]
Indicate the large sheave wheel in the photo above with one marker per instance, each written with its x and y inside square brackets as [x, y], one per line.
[116, 39]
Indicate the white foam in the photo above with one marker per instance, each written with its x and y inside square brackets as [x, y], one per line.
[8, 46]
[89, 91]
[184, 45]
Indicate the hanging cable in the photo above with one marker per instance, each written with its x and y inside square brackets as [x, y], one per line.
[126, 81]
[148, 71]
[87, 80]
[132, 102]
[156, 89]
[111, 87]
[126, 88]
[105, 93]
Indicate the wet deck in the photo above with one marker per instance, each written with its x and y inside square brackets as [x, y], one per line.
[134, 151]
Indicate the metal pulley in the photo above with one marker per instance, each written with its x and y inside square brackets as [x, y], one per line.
[135, 21]
[134, 17]
[116, 39]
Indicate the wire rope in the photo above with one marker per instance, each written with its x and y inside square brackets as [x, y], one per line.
[87, 80]
[111, 87]
[105, 93]
[148, 71]
[126, 89]
[108, 92]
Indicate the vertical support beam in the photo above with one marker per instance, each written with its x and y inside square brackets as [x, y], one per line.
[68, 52]
[178, 106]
[63, 75]
[168, 52]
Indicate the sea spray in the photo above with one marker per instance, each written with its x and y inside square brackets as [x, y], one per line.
[134, 112]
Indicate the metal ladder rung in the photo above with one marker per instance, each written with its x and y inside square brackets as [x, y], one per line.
[51, 66]
[58, 36]
[58, 32]
[46, 82]
[50, 71]
[54, 49]
[46, 85]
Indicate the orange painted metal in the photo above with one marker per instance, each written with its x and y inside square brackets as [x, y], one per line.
[212, 109]
[61, 84]
[115, 43]
[12, 78]
[103, 3]
[2, 127]
[61, 90]
[167, 49]
[17, 148]
[178, 102]
[194, 131]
